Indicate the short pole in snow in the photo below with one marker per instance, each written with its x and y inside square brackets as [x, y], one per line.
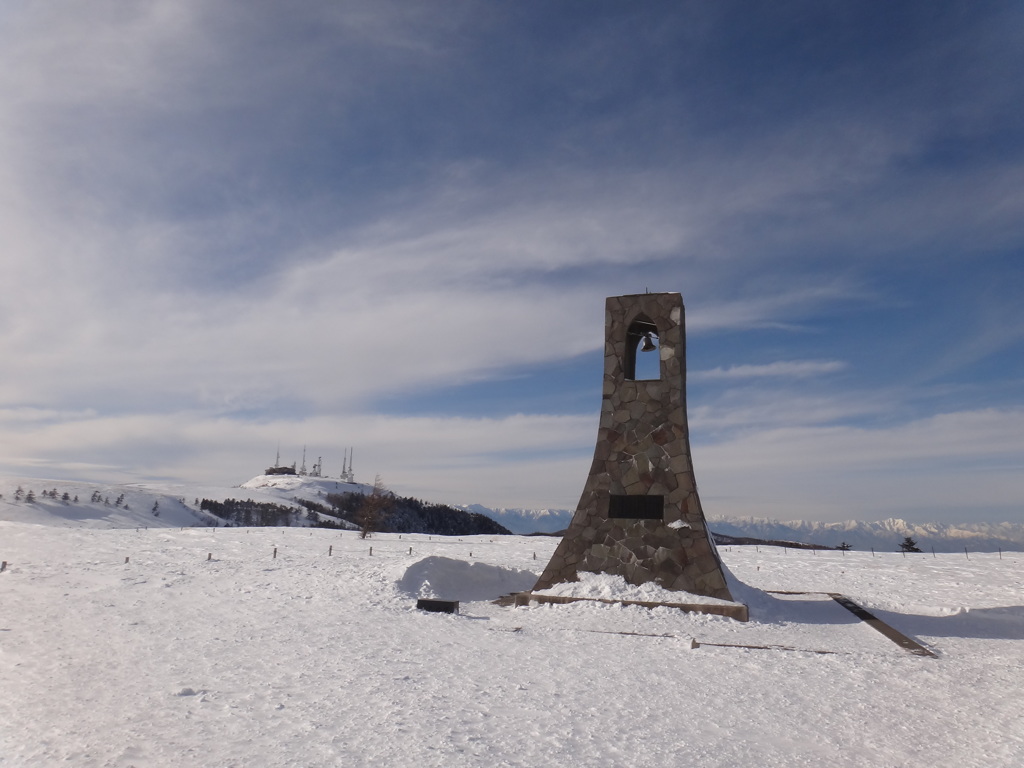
[410, 550]
[1000, 553]
[126, 560]
[933, 553]
[470, 554]
[330, 549]
[275, 553]
[534, 555]
[965, 554]
[209, 556]
[904, 554]
[872, 551]
[371, 551]
[3, 566]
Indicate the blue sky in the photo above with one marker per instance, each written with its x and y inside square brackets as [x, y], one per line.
[393, 226]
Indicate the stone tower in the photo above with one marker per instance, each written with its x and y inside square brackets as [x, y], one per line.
[639, 515]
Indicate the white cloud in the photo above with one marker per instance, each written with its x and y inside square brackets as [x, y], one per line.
[951, 466]
[789, 369]
[516, 460]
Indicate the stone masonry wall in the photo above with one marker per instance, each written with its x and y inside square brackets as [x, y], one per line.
[643, 448]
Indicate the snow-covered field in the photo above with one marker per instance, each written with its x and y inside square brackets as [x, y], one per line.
[204, 650]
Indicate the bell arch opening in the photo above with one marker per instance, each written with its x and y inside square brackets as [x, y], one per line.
[643, 359]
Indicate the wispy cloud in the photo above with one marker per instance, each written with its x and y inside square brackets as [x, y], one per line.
[952, 466]
[789, 369]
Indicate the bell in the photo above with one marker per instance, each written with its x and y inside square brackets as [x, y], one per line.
[648, 345]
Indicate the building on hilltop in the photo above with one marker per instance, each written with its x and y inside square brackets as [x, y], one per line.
[347, 475]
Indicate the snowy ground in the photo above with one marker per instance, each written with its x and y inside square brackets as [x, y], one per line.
[310, 659]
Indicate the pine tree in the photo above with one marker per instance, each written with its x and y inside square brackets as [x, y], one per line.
[845, 547]
[909, 545]
[18, 494]
[30, 497]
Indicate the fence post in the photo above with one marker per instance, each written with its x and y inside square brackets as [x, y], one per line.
[330, 549]
[275, 553]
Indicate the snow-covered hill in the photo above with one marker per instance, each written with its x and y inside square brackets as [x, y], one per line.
[132, 505]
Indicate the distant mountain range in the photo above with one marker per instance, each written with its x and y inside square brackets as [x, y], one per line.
[525, 521]
[883, 536]
[155, 505]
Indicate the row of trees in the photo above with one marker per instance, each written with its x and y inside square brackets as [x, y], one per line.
[250, 513]
[907, 545]
[382, 511]
[30, 497]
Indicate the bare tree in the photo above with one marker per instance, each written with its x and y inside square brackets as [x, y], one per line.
[374, 506]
